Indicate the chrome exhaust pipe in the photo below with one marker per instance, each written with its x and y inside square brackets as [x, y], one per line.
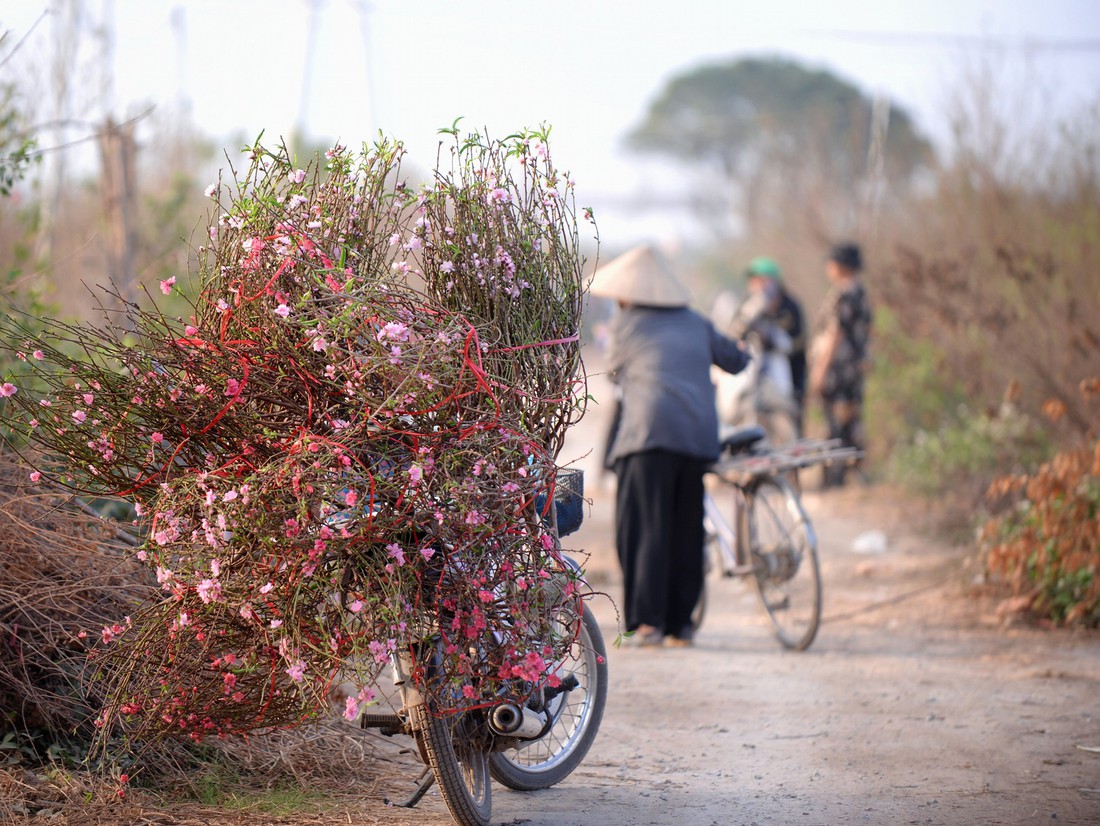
[511, 720]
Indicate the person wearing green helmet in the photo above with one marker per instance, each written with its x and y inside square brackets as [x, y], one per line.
[784, 311]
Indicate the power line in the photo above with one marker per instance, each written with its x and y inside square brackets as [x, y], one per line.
[1090, 44]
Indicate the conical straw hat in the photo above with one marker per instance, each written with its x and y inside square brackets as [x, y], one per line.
[640, 276]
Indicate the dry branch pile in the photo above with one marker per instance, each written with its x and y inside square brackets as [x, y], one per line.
[347, 441]
[62, 572]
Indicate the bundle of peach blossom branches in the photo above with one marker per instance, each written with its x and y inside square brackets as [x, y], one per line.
[350, 444]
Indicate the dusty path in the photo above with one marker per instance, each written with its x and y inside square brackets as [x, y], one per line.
[912, 710]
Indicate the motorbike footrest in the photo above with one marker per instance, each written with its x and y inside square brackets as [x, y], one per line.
[388, 721]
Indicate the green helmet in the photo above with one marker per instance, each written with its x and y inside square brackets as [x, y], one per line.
[764, 267]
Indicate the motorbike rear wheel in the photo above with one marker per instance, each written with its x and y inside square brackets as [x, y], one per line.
[576, 715]
[457, 750]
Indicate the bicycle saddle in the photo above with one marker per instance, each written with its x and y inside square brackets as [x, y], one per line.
[743, 439]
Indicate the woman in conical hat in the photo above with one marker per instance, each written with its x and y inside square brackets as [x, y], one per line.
[660, 357]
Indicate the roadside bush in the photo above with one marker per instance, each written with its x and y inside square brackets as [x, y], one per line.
[1047, 548]
[986, 282]
[997, 266]
[910, 395]
[968, 451]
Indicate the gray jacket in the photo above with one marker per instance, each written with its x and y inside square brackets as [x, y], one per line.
[660, 359]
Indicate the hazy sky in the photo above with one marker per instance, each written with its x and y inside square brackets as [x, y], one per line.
[588, 68]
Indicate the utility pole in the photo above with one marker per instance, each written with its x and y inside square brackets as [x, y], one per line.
[118, 174]
[65, 29]
[366, 9]
[874, 179]
[117, 151]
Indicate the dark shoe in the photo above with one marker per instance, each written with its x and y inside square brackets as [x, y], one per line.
[646, 636]
[833, 476]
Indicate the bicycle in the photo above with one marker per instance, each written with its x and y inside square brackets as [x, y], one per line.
[772, 540]
[526, 746]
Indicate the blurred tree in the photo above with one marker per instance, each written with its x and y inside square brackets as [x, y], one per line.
[124, 216]
[17, 144]
[16, 149]
[783, 138]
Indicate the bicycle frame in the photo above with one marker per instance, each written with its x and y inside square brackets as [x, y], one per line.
[730, 556]
[773, 545]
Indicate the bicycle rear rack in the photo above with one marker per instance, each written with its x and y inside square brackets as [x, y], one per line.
[770, 460]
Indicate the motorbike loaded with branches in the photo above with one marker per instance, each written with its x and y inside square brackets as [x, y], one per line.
[342, 463]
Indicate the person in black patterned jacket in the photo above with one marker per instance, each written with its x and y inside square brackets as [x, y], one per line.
[841, 353]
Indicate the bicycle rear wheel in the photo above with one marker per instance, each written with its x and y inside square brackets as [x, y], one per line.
[539, 764]
[782, 548]
[700, 609]
[456, 747]
[711, 552]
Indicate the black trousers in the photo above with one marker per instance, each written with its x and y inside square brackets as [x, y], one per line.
[844, 417]
[659, 538]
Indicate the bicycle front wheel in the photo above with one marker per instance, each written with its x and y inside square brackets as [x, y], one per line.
[782, 549]
[456, 748]
[576, 714]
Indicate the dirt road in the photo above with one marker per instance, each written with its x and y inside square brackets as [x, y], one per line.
[915, 705]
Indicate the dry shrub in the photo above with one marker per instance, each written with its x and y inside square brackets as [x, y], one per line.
[997, 267]
[63, 797]
[1011, 313]
[329, 766]
[1047, 549]
[63, 576]
[330, 754]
